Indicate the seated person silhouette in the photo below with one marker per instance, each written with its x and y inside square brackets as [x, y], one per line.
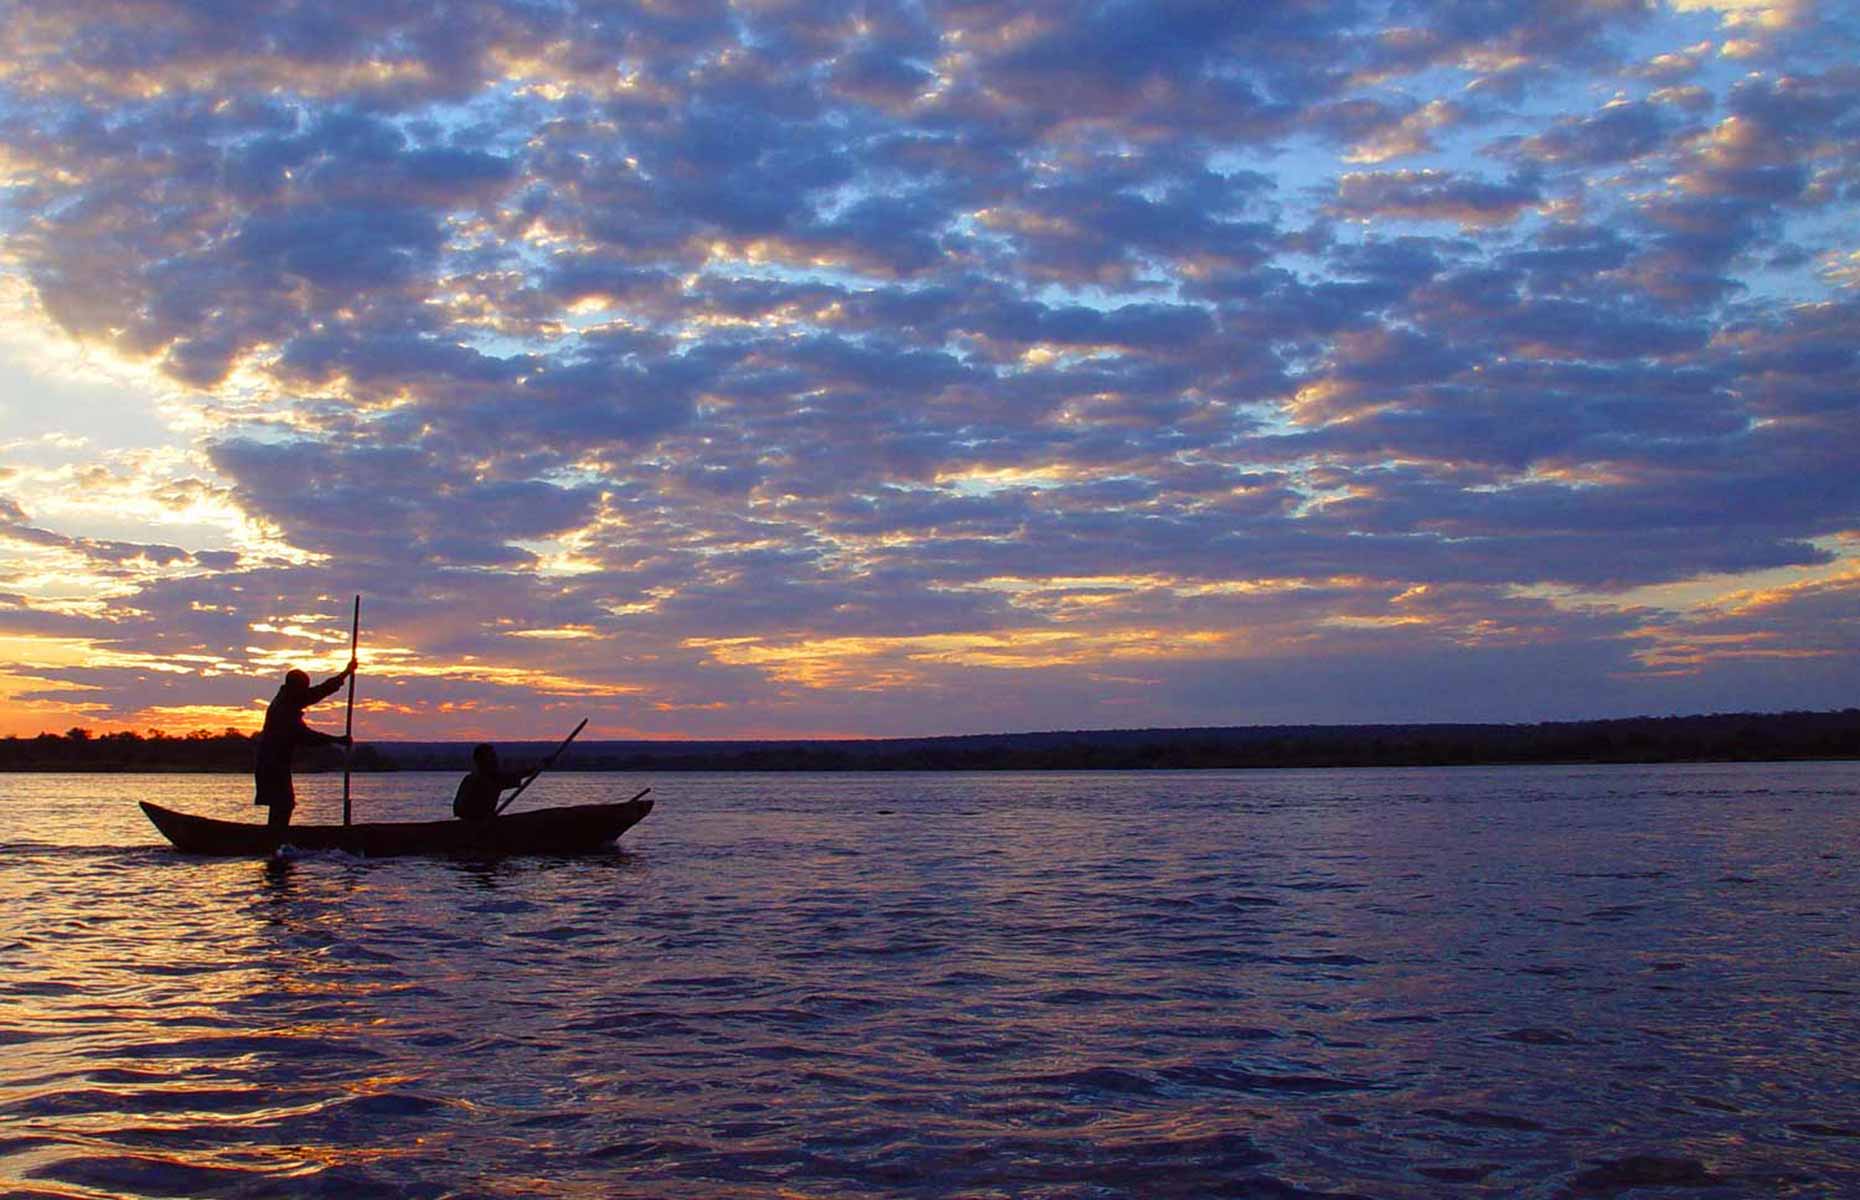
[476, 799]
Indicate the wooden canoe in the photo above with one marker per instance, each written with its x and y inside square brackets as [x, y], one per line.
[572, 830]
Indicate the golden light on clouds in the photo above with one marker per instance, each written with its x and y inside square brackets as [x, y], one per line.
[1679, 650]
[1766, 15]
[880, 663]
[1748, 602]
[32, 699]
[186, 718]
[1841, 269]
[1413, 135]
[993, 479]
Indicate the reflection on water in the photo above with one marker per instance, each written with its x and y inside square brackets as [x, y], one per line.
[1535, 982]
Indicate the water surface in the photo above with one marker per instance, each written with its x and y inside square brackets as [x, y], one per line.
[1394, 983]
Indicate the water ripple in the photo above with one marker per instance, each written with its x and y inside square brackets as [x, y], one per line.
[1562, 982]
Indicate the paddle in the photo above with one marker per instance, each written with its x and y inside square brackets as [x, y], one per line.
[545, 764]
[348, 723]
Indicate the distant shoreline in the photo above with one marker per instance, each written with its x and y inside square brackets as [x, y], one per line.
[1724, 737]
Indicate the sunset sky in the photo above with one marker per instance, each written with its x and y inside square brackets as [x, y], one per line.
[791, 369]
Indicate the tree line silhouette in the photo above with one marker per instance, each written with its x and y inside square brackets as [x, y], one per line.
[229, 750]
[1728, 737]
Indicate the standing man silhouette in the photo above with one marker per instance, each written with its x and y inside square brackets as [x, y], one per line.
[284, 731]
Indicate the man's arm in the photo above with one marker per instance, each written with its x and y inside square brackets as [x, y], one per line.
[316, 737]
[328, 686]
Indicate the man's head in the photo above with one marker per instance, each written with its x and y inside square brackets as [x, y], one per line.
[296, 681]
[484, 755]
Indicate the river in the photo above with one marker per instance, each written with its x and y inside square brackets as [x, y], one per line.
[1520, 981]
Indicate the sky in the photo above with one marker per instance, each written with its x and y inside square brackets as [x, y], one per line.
[767, 369]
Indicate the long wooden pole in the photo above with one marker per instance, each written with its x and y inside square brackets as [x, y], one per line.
[348, 723]
[545, 763]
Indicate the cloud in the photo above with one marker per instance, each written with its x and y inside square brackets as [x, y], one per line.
[774, 367]
[1412, 134]
[1431, 195]
[393, 504]
[1620, 132]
